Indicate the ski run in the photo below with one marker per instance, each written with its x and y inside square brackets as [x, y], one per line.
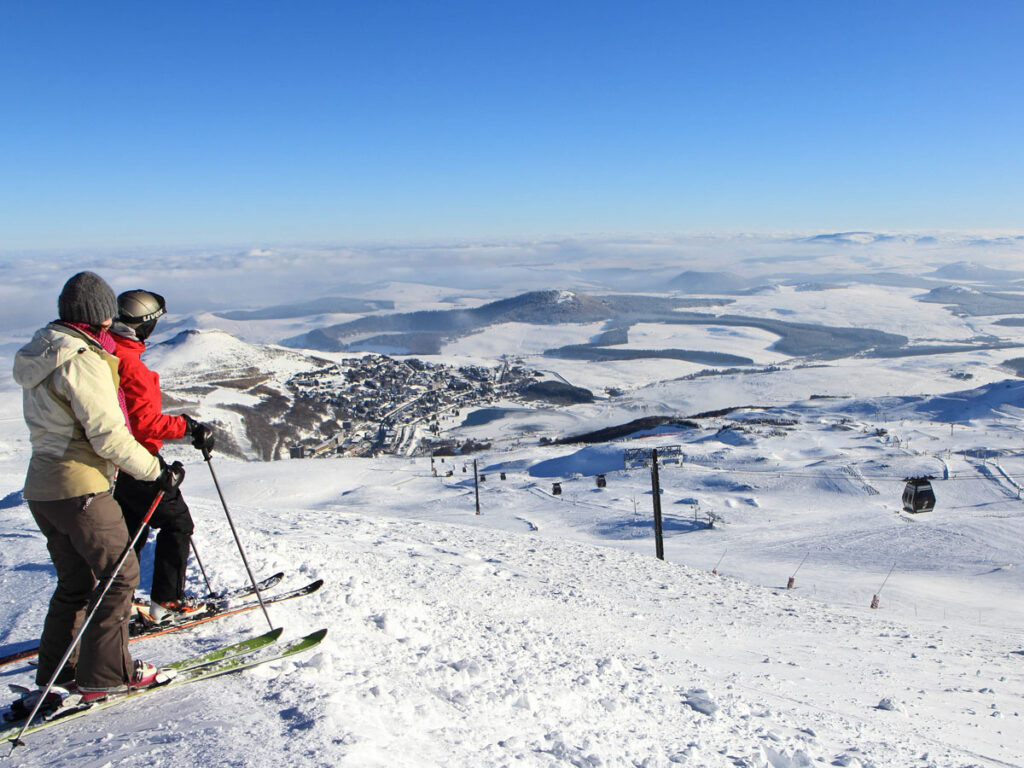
[460, 645]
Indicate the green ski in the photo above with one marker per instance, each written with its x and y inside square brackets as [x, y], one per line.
[211, 664]
[217, 654]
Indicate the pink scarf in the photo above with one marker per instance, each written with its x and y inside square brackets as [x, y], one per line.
[106, 341]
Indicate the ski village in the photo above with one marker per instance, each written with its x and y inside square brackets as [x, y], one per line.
[461, 560]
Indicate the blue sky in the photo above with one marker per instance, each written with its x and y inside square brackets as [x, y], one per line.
[254, 122]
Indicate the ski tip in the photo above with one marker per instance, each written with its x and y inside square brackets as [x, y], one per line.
[317, 636]
[274, 633]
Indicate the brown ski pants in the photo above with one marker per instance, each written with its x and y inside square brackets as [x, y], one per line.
[86, 536]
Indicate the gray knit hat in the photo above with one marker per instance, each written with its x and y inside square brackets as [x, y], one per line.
[86, 298]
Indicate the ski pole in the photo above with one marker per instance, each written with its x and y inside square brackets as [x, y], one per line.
[130, 549]
[234, 532]
[209, 589]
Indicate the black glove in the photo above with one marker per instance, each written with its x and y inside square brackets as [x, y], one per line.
[171, 476]
[201, 434]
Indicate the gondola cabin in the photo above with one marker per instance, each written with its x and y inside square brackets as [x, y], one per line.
[918, 495]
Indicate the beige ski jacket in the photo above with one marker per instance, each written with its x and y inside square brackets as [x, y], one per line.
[75, 423]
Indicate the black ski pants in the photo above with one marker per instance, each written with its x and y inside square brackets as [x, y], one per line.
[173, 522]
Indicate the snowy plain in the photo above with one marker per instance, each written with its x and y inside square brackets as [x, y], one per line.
[543, 631]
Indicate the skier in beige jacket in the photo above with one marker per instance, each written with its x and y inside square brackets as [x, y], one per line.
[79, 435]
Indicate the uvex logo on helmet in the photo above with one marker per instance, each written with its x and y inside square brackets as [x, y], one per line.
[140, 306]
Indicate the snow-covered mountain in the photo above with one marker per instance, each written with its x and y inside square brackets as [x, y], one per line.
[543, 631]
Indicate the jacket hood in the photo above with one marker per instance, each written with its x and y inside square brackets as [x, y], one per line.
[127, 343]
[50, 348]
[125, 331]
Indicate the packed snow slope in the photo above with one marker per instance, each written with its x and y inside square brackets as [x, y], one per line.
[457, 645]
[509, 639]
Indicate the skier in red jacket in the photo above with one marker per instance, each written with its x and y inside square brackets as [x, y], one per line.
[138, 312]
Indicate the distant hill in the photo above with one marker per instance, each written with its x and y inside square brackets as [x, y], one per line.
[730, 284]
[710, 282]
[868, 238]
[557, 392]
[598, 353]
[219, 378]
[322, 306]
[983, 402]
[971, 301]
[969, 270]
[432, 328]
[1016, 365]
[426, 332]
[645, 424]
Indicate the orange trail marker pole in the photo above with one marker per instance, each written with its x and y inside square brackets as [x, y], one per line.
[874, 598]
[792, 579]
[715, 569]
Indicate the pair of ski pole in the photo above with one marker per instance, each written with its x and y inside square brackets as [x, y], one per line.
[16, 740]
[234, 533]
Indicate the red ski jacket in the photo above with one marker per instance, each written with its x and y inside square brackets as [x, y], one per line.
[150, 425]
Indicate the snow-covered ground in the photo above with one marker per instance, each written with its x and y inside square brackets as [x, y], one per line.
[893, 310]
[544, 632]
